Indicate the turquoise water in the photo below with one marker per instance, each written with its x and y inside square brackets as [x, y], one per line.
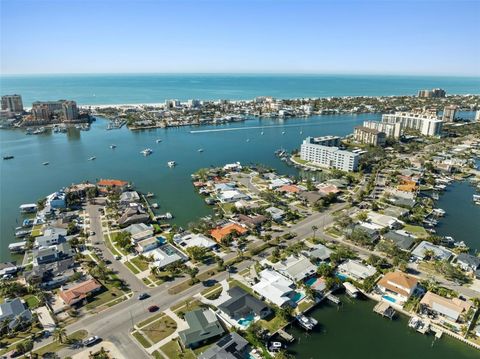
[155, 88]
[246, 321]
[298, 297]
[342, 277]
[390, 299]
[310, 281]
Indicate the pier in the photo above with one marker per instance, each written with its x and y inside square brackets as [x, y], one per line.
[284, 335]
[334, 299]
[385, 310]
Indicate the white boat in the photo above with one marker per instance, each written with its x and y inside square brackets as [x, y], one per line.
[171, 163]
[92, 158]
[155, 205]
[147, 152]
[476, 198]
[200, 150]
[283, 132]
[261, 133]
[45, 163]
[248, 140]
[439, 212]
[113, 146]
[307, 323]
[350, 289]
[158, 140]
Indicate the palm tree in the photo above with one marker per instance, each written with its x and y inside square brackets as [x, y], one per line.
[314, 229]
[59, 335]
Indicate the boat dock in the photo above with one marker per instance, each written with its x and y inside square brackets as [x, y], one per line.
[385, 310]
[420, 325]
[351, 290]
[284, 335]
[334, 299]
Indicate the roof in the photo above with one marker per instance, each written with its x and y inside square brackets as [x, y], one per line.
[357, 269]
[147, 242]
[202, 325]
[400, 240]
[242, 303]
[398, 282]
[14, 309]
[328, 188]
[220, 233]
[231, 346]
[440, 252]
[274, 286]
[112, 183]
[319, 251]
[290, 188]
[469, 260]
[451, 308]
[197, 240]
[311, 196]
[297, 268]
[79, 291]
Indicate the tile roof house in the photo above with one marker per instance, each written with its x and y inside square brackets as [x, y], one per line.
[275, 287]
[14, 311]
[231, 346]
[252, 221]
[80, 291]
[398, 284]
[219, 233]
[202, 325]
[117, 186]
[129, 197]
[448, 308]
[289, 188]
[242, 304]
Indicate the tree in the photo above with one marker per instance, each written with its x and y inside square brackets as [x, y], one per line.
[197, 253]
[59, 335]
[325, 270]
[314, 230]
[192, 272]
[362, 216]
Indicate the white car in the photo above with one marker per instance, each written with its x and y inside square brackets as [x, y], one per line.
[91, 340]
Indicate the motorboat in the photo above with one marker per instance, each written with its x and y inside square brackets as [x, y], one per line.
[200, 150]
[8, 157]
[158, 140]
[45, 163]
[305, 322]
[171, 163]
[92, 158]
[113, 146]
[147, 152]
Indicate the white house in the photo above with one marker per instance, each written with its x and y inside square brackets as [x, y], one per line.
[275, 287]
[356, 270]
[296, 267]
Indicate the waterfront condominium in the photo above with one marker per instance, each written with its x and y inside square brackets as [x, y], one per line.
[12, 103]
[434, 93]
[449, 113]
[323, 151]
[369, 136]
[393, 130]
[426, 122]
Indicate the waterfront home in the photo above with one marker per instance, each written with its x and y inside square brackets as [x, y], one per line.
[187, 240]
[79, 292]
[251, 221]
[231, 346]
[384, 221]
[56, 200]
[326, 189]
[395, 211]
[231, 196]
[356, 270]
[220, 187]
[468, 262]
[139, 231]
[276, 213]
[79, 190]
[28, 208]
[203, 325]
[52, 253]
[242, 307]
[439, 252]
[319, 252]
[450, 309]
[398, 285]
[296, 268]
[112, 185]
[275, 287]
[129, 197]
[246, 204]
[165, 255]
[279, 182]
[52, 275]
[401, 239]
[135, 213]
[7, 268]
[221, 232]
[14, 312]
[51, 236]
[146, 245]
[233, 167]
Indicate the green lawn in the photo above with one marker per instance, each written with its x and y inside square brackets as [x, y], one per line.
[141, 339]
[160, 329]
[32, 301]
[173, 350]
[236, 283]
[418, 231]
[183, 307]
[304, 304]
[55, 346]
[140, 263]
[131, 267]
[151, 319]
[273, 324]
[108, 294]
[299, 160]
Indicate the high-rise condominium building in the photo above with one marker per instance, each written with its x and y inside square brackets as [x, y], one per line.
[12, 103]
[426, 122]
[449, 113]
[393, 130]
[328, 156]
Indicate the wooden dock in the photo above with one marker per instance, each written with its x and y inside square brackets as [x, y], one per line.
[334, 299]
[284, 335]
[385, 310]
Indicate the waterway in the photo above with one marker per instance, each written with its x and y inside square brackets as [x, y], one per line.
[353, 330]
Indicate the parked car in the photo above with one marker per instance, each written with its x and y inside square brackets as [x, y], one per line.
[91, 340]
[118, 258]
[143, 296]
[153, 308]
[92, 233]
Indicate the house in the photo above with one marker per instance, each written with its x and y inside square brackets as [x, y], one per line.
[251, 221]
[135, 213]
[276, 213]
[356, 270]
[233, 167]
[399, 285]
[51, 236]
[15, 312]
[468, 262]
[243, 305]
[231, 346]
[326, 189]
[289, 188]
[296, 268]
[231, 196]
[279, 182]
[310, 197]
[401, 239]
[53, 274]
[364, 227]
[275, 287]
[202, 326]
[187, 240]
[439, 252]
[246, 204]
[51, 253]
[129, 197]
[146, 245]
[56, 200]
[450, 309]
[166, 255]
[219, 233]
[112, 185]
[139, 231]
[384, 221]
[79, 292]
[319, 252]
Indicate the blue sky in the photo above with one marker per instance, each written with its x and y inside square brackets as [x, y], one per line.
[278, 36]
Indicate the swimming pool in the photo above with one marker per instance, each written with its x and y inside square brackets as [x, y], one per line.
[246, 321]
[390, 299]
[298, 297]
[342, 277]
[310, 281]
